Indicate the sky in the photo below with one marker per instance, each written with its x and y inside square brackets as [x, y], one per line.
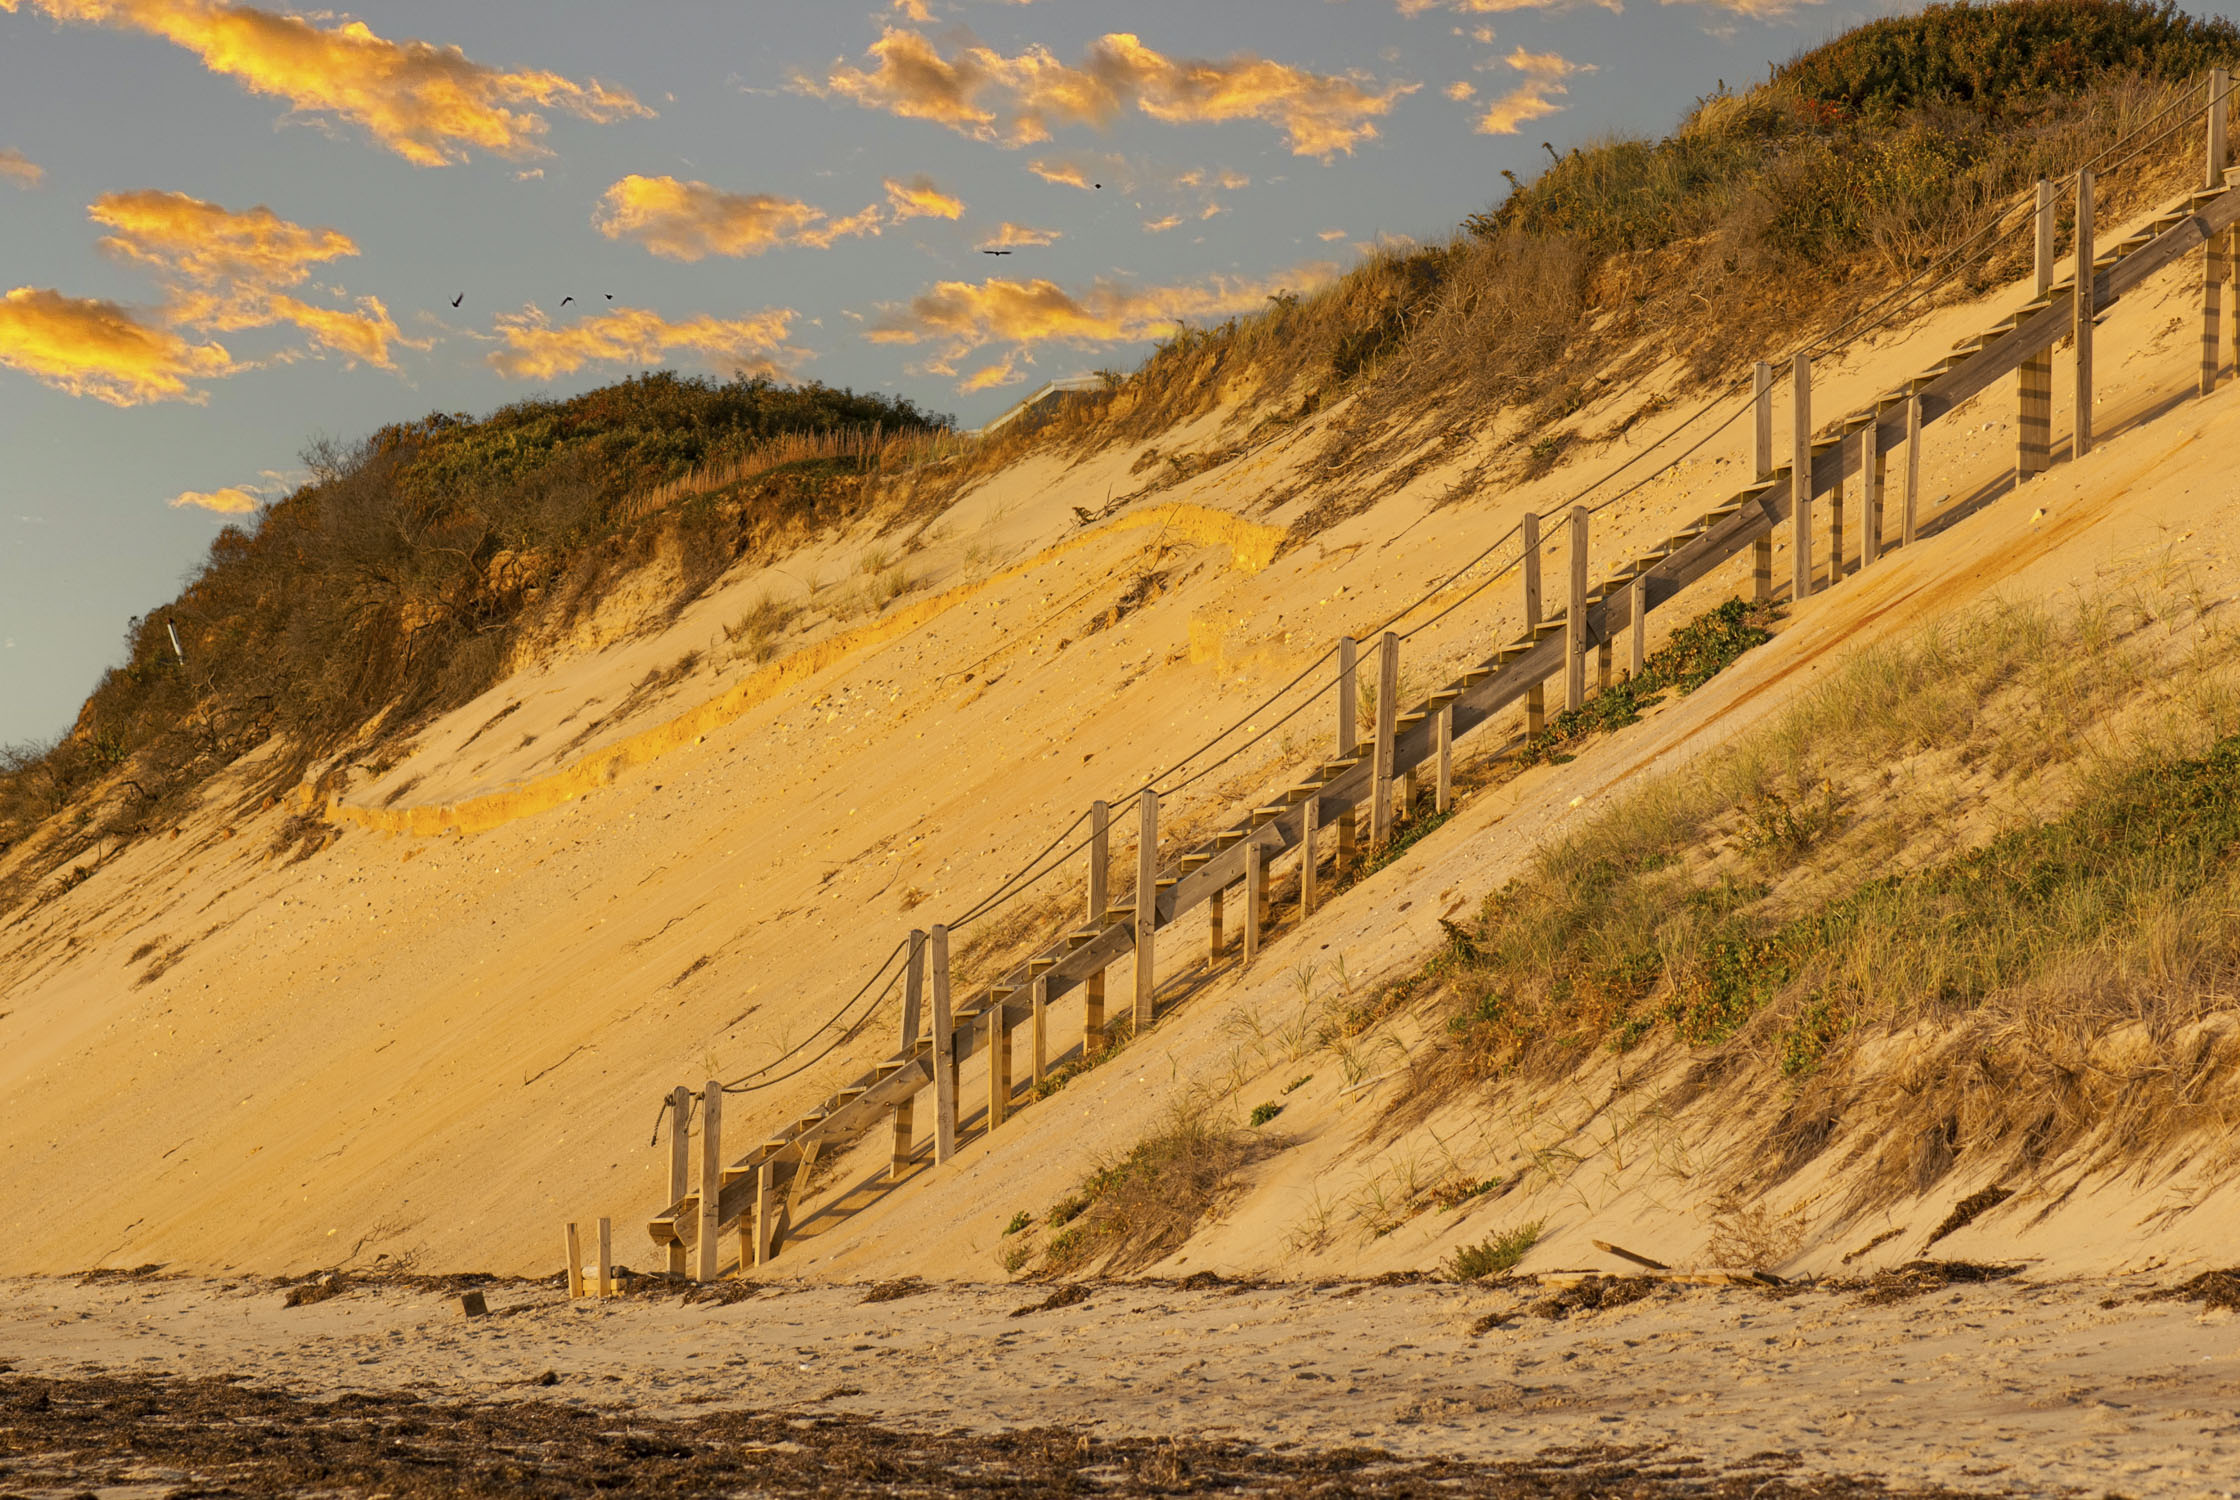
[227, 231]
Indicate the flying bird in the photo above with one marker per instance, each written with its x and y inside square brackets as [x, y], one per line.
[995, 252]
[564, 301]
[609, 296]
[455, 301]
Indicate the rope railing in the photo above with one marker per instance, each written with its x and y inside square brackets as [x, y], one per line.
[1893, 304]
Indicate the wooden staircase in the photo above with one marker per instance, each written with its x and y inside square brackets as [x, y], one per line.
[1482, 692]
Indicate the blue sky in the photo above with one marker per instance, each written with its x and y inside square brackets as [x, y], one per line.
[793, 186]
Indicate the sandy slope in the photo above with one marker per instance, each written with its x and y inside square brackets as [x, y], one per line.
[2018, 1385]
[439, 1047]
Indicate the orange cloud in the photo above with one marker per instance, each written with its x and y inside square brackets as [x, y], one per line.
[1004, 372]
[1504, 7]
[1545, 73]
[20, 169]
[230, 501]
[957, 318]
[227, 271]
[98, 349]
[1085, 172]
[429, 104]
[535, 350]
[690, 220]
[920, 199]
[1017, 100]
[1012, 236]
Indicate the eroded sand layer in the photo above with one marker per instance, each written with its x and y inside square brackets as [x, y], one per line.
[2005, 1385]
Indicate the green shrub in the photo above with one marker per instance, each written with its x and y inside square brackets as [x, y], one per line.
[1494, 1257]
[1263, 1113]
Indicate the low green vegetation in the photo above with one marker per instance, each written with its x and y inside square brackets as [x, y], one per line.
[1698, 651]
[1263, 1113]
[1495, 1257]
[1811, 889]
[1142, 1207]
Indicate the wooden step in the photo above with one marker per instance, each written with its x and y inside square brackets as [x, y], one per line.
[1191, 863]
[1261, 816]
[1037, 966]
[1228, 837]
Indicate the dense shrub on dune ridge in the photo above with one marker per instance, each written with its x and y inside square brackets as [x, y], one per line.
[395, 583]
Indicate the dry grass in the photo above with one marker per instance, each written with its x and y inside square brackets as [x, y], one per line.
[1976, 897]
[1138, 1209]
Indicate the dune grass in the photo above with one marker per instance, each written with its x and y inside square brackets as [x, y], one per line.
[2009, 848]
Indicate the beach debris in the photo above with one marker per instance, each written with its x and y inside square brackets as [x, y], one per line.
[1624, 1254]
[1918, 1276]
[1071, 1294]
[472, 1305]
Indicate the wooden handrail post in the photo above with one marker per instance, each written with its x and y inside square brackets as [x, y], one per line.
[1100, 905]
[2034, 423]
[1870, 492]
[2086, 303]
[2220, 113]
[1442, 729]
[1800, 479]
[1255, 890]
[1836, 516]
[1575, 617]
[1637, 607]
[999, 1066]
[913, 1012]
[575, 1262]
[944, 1057]
[766, 1212]
[1535, 696]
[606, 1259]
[1038, 995]
[1147, 906]
[2213, 253]
[1349, 730]
[711, 1178]
[1216, 906]
[1761, 467]
[1910, 525]
[1309, 820]
[1388, 712]
[680, 1165]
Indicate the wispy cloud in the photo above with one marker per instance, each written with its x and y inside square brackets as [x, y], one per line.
[226, 271]
[1003, 372]
[535, 350]
[918, 198]
[99, 349]
[1017, 236]
[20, 169]
[955, 319]
[1019, 99]
[1545, 74]
[1756, 10]
[430, 104]
[230, 501]
[689, 221]
[1084, 172]
[1504, 7]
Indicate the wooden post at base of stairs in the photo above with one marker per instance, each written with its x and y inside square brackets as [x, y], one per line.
[711, 1179]
[1147, 906]
[680, 1168]
[944, 1051]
